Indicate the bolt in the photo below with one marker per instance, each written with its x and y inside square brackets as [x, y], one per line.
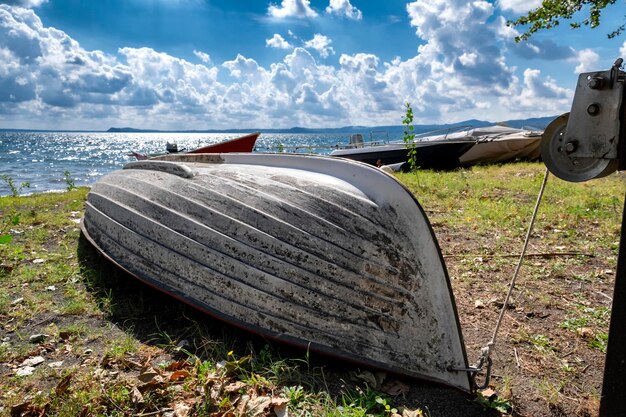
[593, 109]
[596, 83]
[570, 147]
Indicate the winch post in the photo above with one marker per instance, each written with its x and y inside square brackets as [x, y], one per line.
[588, 143]
[614, 383]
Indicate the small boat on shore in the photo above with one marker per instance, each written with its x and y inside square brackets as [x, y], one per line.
[322, 253]
[453, 148]
[495, 144]
[240, 144]
[435, 150]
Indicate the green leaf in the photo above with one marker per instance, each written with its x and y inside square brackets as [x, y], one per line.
[5, 239]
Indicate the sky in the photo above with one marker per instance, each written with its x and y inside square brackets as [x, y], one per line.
[222, 64]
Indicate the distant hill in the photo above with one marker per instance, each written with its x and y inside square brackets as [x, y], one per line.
[393, 130]
[539, 123]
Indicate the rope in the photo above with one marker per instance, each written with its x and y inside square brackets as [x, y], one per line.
[486, 351]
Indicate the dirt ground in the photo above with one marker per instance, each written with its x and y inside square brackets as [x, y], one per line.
[548, 359]
[543, 367]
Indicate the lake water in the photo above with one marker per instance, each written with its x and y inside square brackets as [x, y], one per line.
[42, 158]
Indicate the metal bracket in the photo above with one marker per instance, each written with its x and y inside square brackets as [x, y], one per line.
[476, 369]
[594, 124]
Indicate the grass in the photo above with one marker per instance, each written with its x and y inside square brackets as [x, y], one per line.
[117, 337]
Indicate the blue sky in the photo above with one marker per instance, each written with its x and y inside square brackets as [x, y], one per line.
[204, 64]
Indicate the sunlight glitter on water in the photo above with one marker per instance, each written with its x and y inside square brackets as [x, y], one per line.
[42, 158]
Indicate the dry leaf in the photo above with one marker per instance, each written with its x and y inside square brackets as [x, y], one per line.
[257, 406]
[147, 375]
[395, 388]
[242, 405]
[235, 386]
[488, 393]
[175, 366]
[369, 378]
[412, 413]
[63, 385]
[181, 410]
[27, 409]
[179, 375]
[279, 406]
[136, 396]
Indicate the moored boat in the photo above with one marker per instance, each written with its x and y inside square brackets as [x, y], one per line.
[463, 146]
[324, 253]
[497, 144]
[434, 150]
[240, 144]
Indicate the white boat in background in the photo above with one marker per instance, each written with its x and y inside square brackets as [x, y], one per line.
[495, 144]
[323, 253]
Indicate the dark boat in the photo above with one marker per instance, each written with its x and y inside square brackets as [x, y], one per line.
[432, 152]
[323, 253]
[240, 144]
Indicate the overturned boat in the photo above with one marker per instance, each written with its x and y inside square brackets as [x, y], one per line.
[323, 253]
[497, 144]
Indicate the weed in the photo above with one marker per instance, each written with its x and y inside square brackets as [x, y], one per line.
[295, 395]
[494, 403]
[585, 320]
[119, 347]
[69, 182]
[12, 219]
[599, 342]
[15, 190]
[203, 370]
[387, 410]
[4, 351]
[409, 138]
[551, 391]
[541, 343]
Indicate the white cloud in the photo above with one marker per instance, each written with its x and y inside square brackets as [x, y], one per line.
[457, 34]
[468, 59]
[277, 41]
[622, 50]
[241, 66]
[538, 95]
[321, 44]
[587, 61]
[519, 6]
[24, 3]
[344, 8]
[48, 77]
[203, 56]
[292, 8]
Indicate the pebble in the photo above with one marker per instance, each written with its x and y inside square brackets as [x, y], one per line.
[17, 301]
[183, 344]
[25, 371]
[55, 364]
[36, 338]
[51, 288]
[34, 361]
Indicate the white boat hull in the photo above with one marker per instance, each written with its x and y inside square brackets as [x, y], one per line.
[318, 252]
